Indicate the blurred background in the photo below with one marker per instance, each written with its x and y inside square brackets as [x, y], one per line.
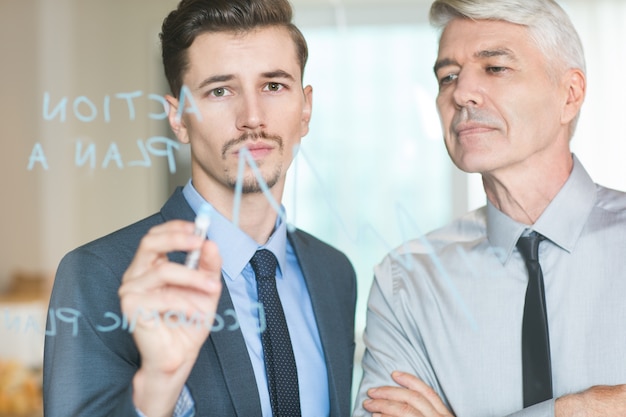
[86, 147]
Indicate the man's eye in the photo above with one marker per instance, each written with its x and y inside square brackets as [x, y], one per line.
[218, 92]
[496, 70]
[274, 86]
[448, 79]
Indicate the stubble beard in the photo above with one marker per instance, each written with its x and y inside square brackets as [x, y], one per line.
[250, 183]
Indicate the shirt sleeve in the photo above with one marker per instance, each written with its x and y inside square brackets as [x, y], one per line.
[543, 409]
[185, 406]
[392, 344]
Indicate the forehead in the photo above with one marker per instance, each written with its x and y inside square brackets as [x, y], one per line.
[476, 39]
[256, 51]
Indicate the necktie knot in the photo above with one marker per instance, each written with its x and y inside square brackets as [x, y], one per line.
[528, 246]
[264, 264]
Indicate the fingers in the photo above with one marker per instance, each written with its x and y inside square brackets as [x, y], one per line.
[171, 306]
[210, 259]
[397, 401]
[412, 398]
[150, 267]
[153, 284]
[172, 274]
[415, 384]
[175, 235]
[191, 292]
[170, 309]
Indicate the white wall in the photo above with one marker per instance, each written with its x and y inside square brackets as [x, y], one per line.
[74, 48]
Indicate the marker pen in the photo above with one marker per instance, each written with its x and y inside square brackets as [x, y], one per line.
[202, 222]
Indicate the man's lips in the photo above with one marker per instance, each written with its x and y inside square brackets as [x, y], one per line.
[256, 150]
[467, 129]
[257, 145]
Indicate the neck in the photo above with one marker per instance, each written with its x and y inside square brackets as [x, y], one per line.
[257, 217]
[525, 191]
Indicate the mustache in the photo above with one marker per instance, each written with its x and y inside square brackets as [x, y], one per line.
[244, 137]
[476, 115]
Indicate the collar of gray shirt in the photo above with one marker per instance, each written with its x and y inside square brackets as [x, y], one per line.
[561, 222]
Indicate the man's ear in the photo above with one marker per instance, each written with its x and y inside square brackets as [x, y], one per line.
[176, 121]
[307, 109]
[575, 83]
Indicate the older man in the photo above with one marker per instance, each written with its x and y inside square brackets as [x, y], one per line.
[517, 307]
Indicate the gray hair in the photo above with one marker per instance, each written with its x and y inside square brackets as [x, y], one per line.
[549, 26]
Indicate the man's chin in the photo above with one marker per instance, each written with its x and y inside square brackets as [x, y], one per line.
[254, 186]
[473, 164]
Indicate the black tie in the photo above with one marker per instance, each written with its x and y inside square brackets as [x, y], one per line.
[537, 371]
[280, 364]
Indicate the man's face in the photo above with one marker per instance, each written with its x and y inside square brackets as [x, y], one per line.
[248, 91]
[498, 105]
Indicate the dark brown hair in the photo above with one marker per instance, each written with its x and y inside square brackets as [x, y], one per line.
[194, 17]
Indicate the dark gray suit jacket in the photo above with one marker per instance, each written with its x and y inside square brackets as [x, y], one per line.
[90, 357]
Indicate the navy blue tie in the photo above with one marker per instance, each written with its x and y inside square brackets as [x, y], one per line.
[280, 364]
[537, 370]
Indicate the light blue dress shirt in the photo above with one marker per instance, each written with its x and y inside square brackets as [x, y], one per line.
[448, 306]
[236, 249]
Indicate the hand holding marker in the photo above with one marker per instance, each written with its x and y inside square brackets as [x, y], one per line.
[202, 222]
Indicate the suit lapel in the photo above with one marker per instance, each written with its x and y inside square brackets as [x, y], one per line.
[324, 309]
[232, 354]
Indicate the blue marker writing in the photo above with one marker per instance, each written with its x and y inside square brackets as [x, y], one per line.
[202, 222]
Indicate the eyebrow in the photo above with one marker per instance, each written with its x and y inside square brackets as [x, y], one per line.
[488, 53]
[278, 74]
[215, 79]
[228, 77]
[443, 63]
[485, 53]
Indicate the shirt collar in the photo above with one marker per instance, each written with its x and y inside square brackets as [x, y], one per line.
[561, 222]
[235, 246]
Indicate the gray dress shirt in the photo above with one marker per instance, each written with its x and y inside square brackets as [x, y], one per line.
[448, 306]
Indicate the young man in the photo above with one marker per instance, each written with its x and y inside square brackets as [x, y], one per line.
[518, 307]
[202, 340]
